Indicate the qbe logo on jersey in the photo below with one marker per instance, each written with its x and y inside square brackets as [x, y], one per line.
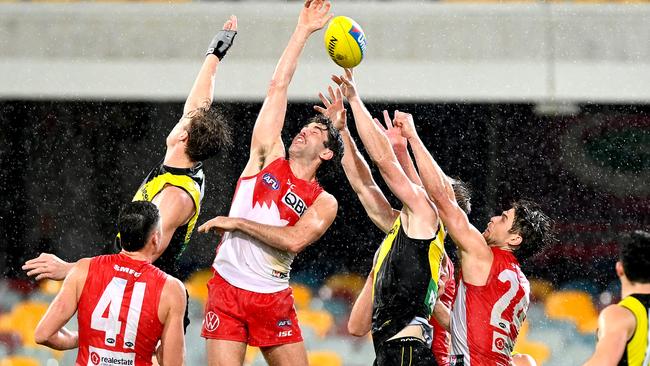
[294, 202]
[102, 357]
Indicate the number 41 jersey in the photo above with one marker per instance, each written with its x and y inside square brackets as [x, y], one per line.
[118, 312]
[485, 320]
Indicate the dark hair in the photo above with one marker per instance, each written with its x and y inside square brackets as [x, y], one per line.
[136, 222]
[534, 227]
[208, 133]
[463, 194]
[334, 140]
[634, 253]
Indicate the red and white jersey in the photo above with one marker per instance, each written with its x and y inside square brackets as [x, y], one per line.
[441, 344]
[485, 320]
[274, 196]
[118, 312]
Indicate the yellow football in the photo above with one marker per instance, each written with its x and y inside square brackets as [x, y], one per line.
[345, 42]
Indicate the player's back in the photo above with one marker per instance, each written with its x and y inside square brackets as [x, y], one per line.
[485, 320]
[118, 312]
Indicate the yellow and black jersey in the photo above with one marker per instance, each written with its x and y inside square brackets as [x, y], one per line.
[405, 281]
[191, 180]
[637, 349]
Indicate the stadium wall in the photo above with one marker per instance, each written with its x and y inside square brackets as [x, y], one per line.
[435, 52]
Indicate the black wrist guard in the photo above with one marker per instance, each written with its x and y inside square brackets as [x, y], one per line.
[221, 43]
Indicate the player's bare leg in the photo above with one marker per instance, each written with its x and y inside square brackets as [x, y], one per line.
[225, 353]
[293, 354]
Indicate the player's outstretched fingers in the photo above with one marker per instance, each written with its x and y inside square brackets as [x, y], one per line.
[320, 109]
[323, 99]
[339, 95]
[327, 5]
[37, 270]
[205, 228]
[387, 120]
[42, 258]
[331, 93]
[233, 20]
[379, 124]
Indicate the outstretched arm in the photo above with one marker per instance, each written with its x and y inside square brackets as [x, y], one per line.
[203, 89]
[47, 266]
[380, 151]
[360, 320]
[172, 340]
[437, 185]
[311, 226]
[266, 143]
[616, 326]
[355, 166]
[50, 331]
[176, 209]
[400, 148]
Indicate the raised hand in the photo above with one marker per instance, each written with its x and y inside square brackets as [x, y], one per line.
[314, 15]
[346, 83]
[231, 23]
[405, 122]
[222, 42]
[47, 266]
[219, 224]
[393, 133]
[334, 109]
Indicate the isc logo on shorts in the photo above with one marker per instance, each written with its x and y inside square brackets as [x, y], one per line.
[285, 333]
[295, 202]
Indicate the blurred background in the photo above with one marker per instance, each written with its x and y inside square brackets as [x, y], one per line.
[542, 100]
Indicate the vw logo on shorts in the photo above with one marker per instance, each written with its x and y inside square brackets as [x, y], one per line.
[211, 321]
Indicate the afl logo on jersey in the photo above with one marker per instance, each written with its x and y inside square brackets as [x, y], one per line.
[296, 203]
[271, 181]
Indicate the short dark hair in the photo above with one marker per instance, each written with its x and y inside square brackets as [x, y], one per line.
[135, 223]
[208, 134]
[634, 253]
[463, 194]
[334, 140]
[534, 227]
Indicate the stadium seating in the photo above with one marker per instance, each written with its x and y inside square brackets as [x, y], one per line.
[196, 285]
[324, 358]
[582, 285]
[540, 289]
[320, 320]
[50, 287]
[538, 350]
[301, 295]
[23, 320]
[574, 306]
[19, 361]
[345, 285]
[551, 333]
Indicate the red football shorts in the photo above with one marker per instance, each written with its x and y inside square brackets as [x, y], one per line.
[260, 320]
